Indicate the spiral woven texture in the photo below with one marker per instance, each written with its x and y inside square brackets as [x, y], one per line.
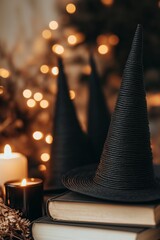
[125, 172]
[71, 147]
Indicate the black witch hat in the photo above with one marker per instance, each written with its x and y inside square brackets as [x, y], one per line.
[125, 172]
[98, 113]
[70, 147]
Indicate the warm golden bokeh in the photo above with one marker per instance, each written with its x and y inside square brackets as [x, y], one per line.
[49, 139]
[102, 39]
[71, 8]
[72, 94]
[44, 103]
[31, 103]
[4, 73]
[42, 168]
[44, 69]
[113, 39]
[57, 48]
[55, 71]
[45, 157]
[53, 25]
[103, 49]
[1, 90]
[37, 135]
[72, 39]
[86, 69]
[38, 96]
[46, 34]
[27, 93]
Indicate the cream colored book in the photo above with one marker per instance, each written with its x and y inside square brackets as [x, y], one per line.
[47, 229]
[75, 207]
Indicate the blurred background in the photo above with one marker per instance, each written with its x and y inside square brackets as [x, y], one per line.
[34, 32]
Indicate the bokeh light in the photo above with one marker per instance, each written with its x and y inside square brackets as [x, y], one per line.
[113, 39]
[102, 39]
[103, 49]
[71, 8]
[31, 103]
[53, 25]
[45, 157]
[44, 103]
[49, 139]
[57, 48]
[42, 168]
[1, 90]
[37, 135]
[27, 93]
[44, 69]
[38, 96]
[72, 94]
[4, 73]
[46, 34]
[72, 39]
[87, 70]
[55, 71]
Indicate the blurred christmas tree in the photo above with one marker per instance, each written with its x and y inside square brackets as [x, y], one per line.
[27, 94]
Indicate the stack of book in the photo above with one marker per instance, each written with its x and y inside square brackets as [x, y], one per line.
[73, 216]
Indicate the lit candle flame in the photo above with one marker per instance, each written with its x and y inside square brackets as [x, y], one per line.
[24, 182]
[7, 151]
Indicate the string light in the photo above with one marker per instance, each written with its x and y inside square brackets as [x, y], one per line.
[57, 48]
[70, 8]
[55, 71]
[49, 139]
[38, 96]
[31, 103]
[37, 135]
[4, 73]
[103, 49]
[27, 93]
[44, 103]
[46, 34]
[44, 69]
[53, 25]
[72, 94]
[113, 39]
[72, 39]
[107, 2]
[42, 168]
[45, 157]
[1, 90]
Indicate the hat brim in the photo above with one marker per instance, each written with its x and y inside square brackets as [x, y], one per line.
[80, 180]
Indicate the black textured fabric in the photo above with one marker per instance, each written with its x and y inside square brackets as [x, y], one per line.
[98, 113]
[70, 147]
[125, 172]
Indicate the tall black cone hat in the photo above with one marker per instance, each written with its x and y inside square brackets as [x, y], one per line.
[98, 113]
[70, 147]
[125, 172]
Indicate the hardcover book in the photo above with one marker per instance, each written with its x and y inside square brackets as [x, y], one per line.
[47, 229]
[74, 207]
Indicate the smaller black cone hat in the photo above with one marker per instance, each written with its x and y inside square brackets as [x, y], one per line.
[98, 112]
[70, 147]
[125, 172]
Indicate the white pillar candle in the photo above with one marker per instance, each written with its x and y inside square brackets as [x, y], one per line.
[12, 165]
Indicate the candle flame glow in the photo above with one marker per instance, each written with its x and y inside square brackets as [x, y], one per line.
[7, 151]
[24, 182]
